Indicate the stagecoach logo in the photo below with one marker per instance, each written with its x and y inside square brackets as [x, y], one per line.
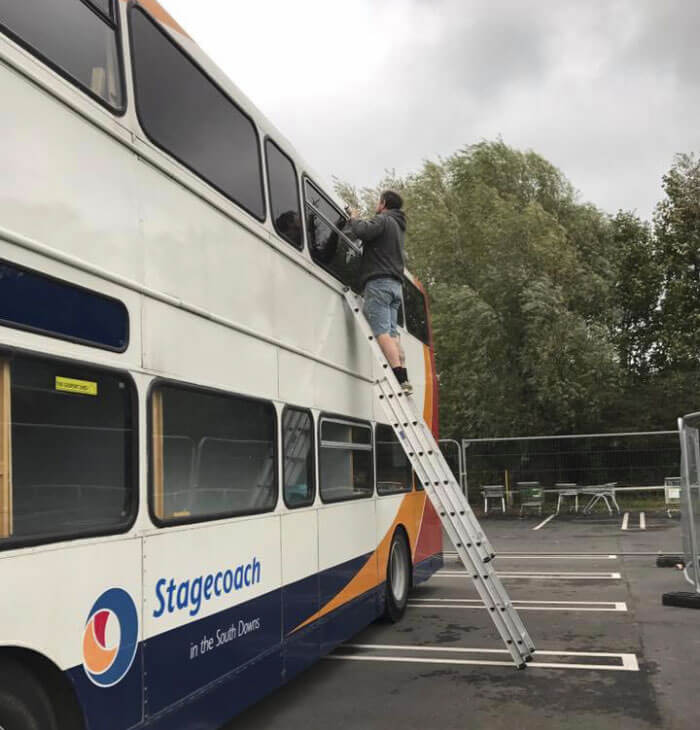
[110, 638]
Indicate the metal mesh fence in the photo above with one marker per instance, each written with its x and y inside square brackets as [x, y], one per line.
[640, 459]
[690, 496]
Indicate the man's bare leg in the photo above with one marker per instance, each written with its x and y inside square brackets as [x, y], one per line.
[402, 353]
[391, 349]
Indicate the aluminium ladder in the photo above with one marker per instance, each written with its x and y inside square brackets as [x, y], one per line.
[452, 507]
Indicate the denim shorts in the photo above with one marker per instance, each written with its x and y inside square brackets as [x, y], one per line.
[382, 302]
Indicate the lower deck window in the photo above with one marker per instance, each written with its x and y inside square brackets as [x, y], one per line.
[394, 473]
[346, 469]
[298, 440]
[213, 454]
[67, 450]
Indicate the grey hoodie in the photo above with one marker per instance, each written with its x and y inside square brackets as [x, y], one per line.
[383, 251]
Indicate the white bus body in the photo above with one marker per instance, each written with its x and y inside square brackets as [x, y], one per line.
[165, 617]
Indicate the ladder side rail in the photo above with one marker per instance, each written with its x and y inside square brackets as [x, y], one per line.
[439, 474]
[465, 542]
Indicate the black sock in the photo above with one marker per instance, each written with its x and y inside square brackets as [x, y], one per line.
[401, 374]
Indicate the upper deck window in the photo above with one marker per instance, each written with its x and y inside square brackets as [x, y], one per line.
[78, 39]
[327, 248]
[416, 312]
[32, 301]
[186, 114]
[284, 195]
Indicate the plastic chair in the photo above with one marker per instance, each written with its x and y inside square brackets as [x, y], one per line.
[531, 496]
[672, 494]
[566, 489]
[493, 491]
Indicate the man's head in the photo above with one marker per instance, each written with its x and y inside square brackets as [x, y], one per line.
[389, 200]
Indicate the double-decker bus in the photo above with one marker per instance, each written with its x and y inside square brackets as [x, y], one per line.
[199, 492]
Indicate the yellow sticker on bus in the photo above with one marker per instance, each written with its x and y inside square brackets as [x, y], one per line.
[71, 385]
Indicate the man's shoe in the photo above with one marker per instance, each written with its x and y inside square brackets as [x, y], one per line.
[407, 387]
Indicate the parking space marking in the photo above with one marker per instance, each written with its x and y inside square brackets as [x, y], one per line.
[536, 575]
[625, 662]
[642, 521]
[625, 520]
[547, 556]
[544, 522]
[447, 603]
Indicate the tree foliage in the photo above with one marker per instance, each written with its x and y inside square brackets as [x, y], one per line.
[549, 315]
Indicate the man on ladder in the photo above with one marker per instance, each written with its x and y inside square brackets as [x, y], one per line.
[381, 275]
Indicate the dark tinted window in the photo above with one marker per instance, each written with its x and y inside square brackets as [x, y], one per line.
[212, 454]
[327, 248]
[72, 449]
[74, 38]
[394, 472]
[104, 6]
[416, 315]
[298, 441]
[29, 300]
[284, 195]
[186, 114]
[346, 470]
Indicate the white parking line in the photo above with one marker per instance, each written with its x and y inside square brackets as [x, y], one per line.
[642, 521]
[445, 603]
[545, 556]
[625, 520]
[544, 522]
[536, 575]
[627, 662]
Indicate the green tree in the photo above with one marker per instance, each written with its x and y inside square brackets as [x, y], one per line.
[677, 229]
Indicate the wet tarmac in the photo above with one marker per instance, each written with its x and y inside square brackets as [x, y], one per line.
[610, 656]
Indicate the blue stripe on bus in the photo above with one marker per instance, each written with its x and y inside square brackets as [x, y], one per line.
[206, 688]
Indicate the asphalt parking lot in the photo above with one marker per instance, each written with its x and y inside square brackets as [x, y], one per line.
[609, 654]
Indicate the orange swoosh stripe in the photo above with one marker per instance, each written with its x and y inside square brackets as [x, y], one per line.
[373, 571]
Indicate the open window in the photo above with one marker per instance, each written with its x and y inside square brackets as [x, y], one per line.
[328, 239]
[345, 454]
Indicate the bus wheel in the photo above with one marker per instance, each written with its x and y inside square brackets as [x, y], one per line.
[398, 577]
[24, 704]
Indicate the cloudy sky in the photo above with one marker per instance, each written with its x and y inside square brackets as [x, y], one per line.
[608, 90]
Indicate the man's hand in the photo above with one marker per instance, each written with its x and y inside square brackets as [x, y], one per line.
[352, 212]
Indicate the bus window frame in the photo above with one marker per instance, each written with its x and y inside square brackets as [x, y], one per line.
[161, 523]
[114, 23]
[268, 139]
[411, 486]
[7, 353]
[67, 338]
[348, 421]
[134, 6]
[314, 451]
[304, 179]
[428, 330]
